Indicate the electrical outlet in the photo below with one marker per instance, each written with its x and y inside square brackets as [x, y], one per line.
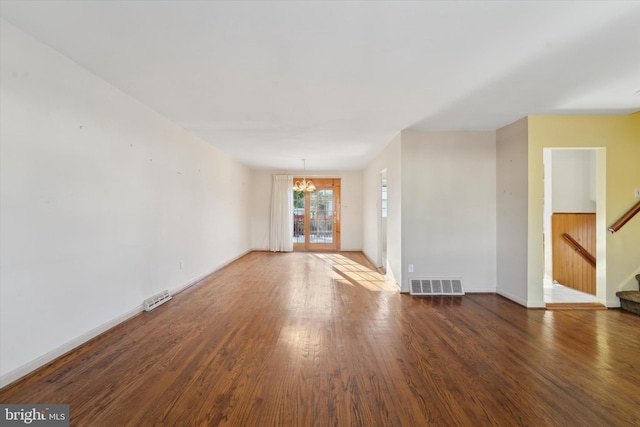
[637, 193]
[410, 268]
[181, 265]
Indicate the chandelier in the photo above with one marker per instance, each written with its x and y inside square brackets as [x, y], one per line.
[304, 185]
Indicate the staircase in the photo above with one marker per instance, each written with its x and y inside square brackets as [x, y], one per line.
[630, 300]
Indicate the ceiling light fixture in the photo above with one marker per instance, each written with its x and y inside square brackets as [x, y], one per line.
[304, 185]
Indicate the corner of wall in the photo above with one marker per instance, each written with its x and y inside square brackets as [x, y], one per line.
[511, 211]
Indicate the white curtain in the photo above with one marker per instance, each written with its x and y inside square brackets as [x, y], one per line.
[281, 232]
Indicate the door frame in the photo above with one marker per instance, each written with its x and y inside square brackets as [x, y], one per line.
[601, 226]
[322, 184]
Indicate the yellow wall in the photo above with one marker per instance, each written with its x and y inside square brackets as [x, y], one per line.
[619, 140]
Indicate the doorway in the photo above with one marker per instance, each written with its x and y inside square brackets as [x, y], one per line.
[382, 223]
[574, 188]
[316, 217]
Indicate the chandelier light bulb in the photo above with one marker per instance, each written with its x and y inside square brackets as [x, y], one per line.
[304, 185]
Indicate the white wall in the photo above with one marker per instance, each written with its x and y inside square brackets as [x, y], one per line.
[548, 211]
[449, 207]
[390, 159]
[102, 199]
[512, 217]
[351, 208]
[573, 180]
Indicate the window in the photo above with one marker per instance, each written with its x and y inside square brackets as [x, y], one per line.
[383, 201]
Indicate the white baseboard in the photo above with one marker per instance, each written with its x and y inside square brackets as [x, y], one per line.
[611, 303]
[517, 299]
[200, 278]
[490, 290]
[370, 260]
[27, 368]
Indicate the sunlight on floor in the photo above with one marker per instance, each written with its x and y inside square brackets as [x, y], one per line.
[555, 292]
[349, 272]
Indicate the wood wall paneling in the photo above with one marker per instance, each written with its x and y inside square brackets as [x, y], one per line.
[569, 267]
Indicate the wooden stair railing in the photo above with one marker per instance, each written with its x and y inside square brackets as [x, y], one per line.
[580, 249]
[625, 218]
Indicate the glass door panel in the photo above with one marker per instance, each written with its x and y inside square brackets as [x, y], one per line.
[321, 216]
[299, 217]
[316, 216]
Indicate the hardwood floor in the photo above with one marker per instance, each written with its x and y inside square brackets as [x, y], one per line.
[304, 339]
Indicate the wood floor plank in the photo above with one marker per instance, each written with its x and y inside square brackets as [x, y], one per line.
[305, 339]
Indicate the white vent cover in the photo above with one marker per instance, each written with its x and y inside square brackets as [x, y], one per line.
[156, 300]
[436, 287]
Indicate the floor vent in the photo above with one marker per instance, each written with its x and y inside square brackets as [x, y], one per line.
[156, 300]
[436, 287]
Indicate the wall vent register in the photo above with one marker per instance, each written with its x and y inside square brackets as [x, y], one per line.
[156, 300]
[436, 287]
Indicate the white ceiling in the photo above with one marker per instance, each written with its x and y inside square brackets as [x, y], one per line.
[274, 82]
